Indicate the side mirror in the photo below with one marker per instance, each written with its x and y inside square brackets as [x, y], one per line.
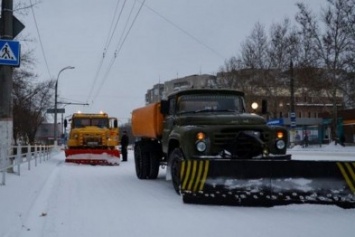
[115, 123]
[65, 123]
[164, 107]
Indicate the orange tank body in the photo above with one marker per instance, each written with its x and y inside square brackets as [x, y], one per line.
[147, 121]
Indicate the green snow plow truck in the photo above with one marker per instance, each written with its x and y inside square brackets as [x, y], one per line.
[215, 152]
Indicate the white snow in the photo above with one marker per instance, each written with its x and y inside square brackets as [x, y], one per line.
[63, 199]
[104, 157]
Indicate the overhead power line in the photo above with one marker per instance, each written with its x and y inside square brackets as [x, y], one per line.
[185, 32]
[40, 40]
[110, 35]
[123, 37]
[119, 45]
[112, 31]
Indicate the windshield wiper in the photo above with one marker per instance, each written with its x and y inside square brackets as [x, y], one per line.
[226, 110]
[209, 110]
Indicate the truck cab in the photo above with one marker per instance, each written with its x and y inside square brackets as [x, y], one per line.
[214, 123]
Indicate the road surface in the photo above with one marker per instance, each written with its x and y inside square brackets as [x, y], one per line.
[61, 199]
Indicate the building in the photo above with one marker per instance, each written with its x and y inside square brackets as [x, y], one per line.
[45, 134]
[193, 81]
[155, 94]
[160, 90]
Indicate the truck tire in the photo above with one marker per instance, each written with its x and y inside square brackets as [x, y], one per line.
[175, 157]
[141, 162]
[153, 165]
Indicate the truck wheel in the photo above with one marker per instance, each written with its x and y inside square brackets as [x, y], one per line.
[141, 162]
[154, 165]
[176, 157]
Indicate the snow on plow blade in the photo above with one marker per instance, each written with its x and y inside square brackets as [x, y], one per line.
[94, 156]
[268, 182]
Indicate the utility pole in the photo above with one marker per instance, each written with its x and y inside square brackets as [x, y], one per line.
[292, 105]
[292, 89]
[6, 118]
[55, 105]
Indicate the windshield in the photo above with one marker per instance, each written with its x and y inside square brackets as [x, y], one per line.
[206, 103]
[83, 122]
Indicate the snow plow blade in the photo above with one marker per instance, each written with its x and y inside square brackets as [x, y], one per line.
[93, 157]
[268, 182]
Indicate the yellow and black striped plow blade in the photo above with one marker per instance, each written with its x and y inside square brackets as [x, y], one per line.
[268, 182]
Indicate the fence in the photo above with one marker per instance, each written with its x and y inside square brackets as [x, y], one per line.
[23, 154]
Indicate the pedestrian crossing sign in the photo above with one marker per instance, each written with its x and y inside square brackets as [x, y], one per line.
[10, 53]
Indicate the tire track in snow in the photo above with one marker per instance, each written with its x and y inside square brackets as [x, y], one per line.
[35, 220]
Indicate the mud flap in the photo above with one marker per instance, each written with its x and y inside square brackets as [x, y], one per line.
[92, 156]
[268, 182]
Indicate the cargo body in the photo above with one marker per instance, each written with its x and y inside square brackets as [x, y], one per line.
[148, 121]
[93, 139]
[216, 152]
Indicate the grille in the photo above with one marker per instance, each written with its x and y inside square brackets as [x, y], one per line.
[92, 140]
[241, 143]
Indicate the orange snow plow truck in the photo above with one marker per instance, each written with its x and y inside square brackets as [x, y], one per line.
[215, 152]
[93, 139]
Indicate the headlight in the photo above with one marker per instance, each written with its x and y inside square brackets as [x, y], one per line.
[280, 144]
[201, 146]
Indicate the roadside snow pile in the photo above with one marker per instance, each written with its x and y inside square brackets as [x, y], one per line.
[325, 147]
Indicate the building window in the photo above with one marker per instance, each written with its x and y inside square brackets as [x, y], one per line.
[181, 85]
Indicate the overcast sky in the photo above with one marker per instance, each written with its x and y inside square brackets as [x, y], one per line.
[168, 39]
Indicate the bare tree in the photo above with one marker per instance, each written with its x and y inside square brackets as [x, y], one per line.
[254, 71]
[230, 75]
[240, 72]
[321, 48]
[269, 59]
[30, 104]
[282, 43]
[30, 100]
[255, 48]
[330, 47]
[349, 14]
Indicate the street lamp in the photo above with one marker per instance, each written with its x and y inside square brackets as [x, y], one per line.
[55, 104]
[254, 106]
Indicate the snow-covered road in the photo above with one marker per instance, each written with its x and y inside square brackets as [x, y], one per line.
[61, 199]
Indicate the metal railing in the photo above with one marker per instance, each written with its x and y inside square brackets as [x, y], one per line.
[24, 154]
